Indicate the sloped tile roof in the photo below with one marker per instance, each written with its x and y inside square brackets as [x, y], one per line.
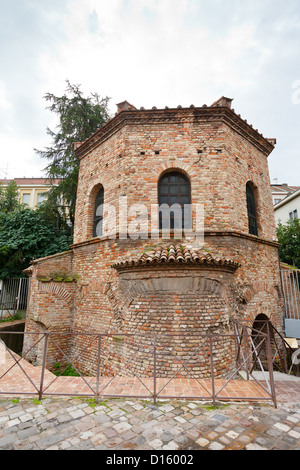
[176, 254]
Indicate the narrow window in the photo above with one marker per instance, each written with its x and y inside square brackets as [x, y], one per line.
[251, 207]
[98, 214]
[293, 215]
[174, 188]
[26, 199]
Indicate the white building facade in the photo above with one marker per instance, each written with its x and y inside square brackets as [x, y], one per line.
[288, 208]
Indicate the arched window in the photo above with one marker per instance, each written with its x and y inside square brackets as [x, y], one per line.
[98, 214]
[174, 188]
[251, 207]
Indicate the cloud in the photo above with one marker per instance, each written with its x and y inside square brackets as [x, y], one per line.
[153, 52]
[145, 50]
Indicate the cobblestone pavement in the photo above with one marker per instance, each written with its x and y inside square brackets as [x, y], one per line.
[121, 424]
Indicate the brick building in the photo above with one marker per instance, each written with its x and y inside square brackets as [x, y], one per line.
[158, 283]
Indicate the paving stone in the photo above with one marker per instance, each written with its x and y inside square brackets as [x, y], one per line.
[171, 446]
[167, 408]
[86, 435]
[156, 443]
[220, 418]
[232, 434]
[255, 447]
[77, 414]
[216, 446]
[6, 440]
[147, 427]
[294, 434]
[3, 419]
[202, 442]
[282, 427]
[13, 422]
[26, 417]
[24, 434]
[122, 427]
[48, 441]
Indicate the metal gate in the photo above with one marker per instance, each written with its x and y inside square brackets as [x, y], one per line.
[13, 296]
[290, 279]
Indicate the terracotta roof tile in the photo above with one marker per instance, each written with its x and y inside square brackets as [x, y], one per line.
[31, 181]
[176, 254]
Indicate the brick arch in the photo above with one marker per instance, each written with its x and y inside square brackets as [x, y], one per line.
[174, 165]
[91, 198]
[263, 301]
[58, 290]
[116, 302]
[94, 285]
[199, 284]
[257, 287]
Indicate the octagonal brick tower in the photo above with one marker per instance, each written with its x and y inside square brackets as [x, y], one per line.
[208, 157]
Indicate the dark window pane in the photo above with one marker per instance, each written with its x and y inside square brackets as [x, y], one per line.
[174, 188]
[184, 189]
[164, 189]
[164, 180]
[98, 214]
[251, 207]
[163, 200]
[173, 200]
[181, 179]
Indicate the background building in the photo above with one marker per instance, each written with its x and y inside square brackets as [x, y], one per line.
[288, 208]
[32, 190]
[281, 191]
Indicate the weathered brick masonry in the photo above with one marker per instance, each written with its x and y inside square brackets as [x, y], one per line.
[164, 286]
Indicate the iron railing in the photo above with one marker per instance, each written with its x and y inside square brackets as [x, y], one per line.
[281, 351]
[290, 281]
[193, 366]
[13, 296]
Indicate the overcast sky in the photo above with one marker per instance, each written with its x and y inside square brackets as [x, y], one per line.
[151, 53]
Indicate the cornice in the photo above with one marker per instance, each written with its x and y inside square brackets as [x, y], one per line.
[207, 233]
[205, 114]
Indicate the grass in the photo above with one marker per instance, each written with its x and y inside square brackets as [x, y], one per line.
[63, 370]
[214, 407]
[17, 316]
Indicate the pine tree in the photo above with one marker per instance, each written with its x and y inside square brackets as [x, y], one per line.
[78, 118]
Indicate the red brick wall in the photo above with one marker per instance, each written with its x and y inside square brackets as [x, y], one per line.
[218, 175]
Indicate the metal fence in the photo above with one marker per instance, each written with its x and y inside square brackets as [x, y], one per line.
[195, 372]
[13, 296]
[291, 290]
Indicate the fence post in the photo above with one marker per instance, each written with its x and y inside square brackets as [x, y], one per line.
[46, 336]
[246, 346]
[270, 366]
[212, 370]
[98, 369]
[154, 372]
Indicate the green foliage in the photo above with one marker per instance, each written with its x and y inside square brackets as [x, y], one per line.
[59, 369]
[24, 236]
[289, 239]
[11, 318]
[78, 118]
[9, 198]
